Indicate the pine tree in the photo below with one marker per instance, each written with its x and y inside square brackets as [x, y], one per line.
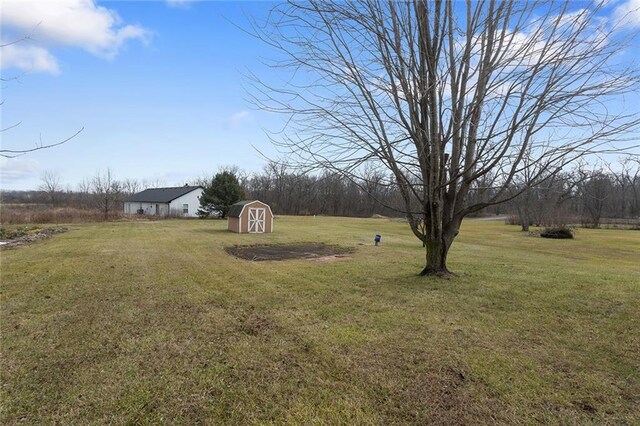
[223, 191]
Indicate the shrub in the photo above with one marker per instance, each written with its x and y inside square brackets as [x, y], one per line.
[557, 232]
[20, 231]
[8, 234]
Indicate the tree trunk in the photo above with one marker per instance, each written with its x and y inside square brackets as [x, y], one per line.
[523, 212]
[436, 259]
[437, 251]
[524, 218]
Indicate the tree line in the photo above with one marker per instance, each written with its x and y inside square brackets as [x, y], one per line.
[584, 195]
[102, 192]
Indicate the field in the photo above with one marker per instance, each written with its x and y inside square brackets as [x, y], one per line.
[152, 322]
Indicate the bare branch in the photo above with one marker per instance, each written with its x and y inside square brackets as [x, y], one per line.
[12, 153]
[445, 95]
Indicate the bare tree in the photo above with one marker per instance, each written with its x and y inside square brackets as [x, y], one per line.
[540, 203]
[155, 182]
[627, 184]
[84, 193]
[50, 183]
[595, 193]
[107, 192]
[631, 172]
[131, 186]
[444, 94]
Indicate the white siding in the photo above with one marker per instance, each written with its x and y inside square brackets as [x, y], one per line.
[175, 207]
[192, 199]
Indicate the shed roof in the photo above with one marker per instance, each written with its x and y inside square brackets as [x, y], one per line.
[161, 195]
[236, 209]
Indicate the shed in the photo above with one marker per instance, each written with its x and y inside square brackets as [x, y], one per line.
[250, 216]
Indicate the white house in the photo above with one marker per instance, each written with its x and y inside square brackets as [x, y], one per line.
[175, 201]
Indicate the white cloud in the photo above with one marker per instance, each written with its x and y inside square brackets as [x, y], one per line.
[628, 13]
[180, 3]
[236, 119]
[29, 58]
[15, 169]
[76, 23]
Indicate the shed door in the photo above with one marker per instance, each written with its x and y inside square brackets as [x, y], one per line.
[256, 220]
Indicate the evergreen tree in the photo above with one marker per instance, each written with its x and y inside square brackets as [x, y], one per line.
[218, 196]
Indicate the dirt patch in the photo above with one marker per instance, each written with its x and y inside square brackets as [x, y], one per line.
[28, 237]
[315, 251]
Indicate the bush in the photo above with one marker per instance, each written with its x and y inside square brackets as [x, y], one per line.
[558, 232]
[8, 234]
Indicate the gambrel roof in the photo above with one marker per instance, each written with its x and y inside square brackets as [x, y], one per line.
[236, 209]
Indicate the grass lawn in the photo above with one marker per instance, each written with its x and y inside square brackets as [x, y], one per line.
[150, 322]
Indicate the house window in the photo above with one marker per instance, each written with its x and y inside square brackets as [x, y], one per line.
[185, 209]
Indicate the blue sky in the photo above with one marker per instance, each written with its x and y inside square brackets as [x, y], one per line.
[157, 86]
[160, 94]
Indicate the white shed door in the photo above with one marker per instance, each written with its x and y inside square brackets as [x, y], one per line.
[256, 220]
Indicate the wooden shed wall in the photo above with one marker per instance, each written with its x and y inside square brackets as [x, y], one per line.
[234, 222]
[238, 224]
[268, 218]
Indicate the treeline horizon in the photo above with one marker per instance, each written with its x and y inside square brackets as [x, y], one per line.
[583, 195]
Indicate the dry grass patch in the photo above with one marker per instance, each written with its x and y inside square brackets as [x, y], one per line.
[124, 323]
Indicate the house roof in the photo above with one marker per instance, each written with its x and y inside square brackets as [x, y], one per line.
[236, 209]
[161, 195]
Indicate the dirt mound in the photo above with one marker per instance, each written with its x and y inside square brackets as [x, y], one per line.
[289, 251]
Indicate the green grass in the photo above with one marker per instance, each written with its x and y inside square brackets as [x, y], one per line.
[141, 323]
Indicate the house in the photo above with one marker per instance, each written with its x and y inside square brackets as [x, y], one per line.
[174, 201]
[250, 216]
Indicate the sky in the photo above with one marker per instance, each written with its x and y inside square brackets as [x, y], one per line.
[156, 86]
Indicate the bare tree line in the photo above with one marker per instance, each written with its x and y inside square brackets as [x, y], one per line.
[585, 195]
[102, 192]
[291, 192]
